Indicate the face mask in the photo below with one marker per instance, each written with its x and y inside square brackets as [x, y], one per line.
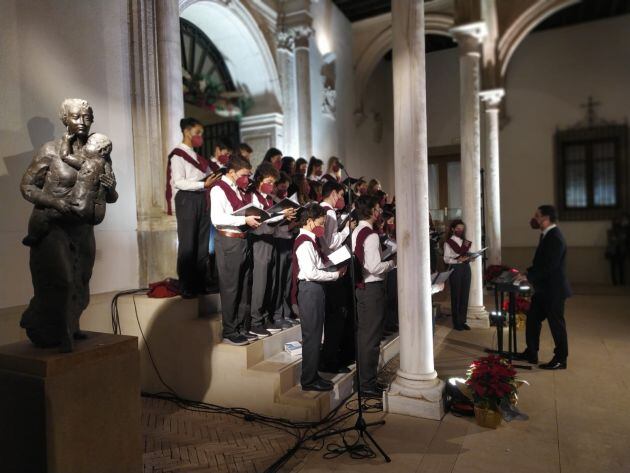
[266, 188]
[281, 193]
[534, 224]
[335, 167]
[318, 231]
[340, 204]
[392, 227]
[223, 159]
[277, 164]
[197, 141]
[307, 189]
[458, 233]
[318, 197]
[242, 182]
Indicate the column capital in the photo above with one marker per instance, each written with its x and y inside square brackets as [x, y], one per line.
[285, 40]
[492, 98]
[302, 34]
[469, 36]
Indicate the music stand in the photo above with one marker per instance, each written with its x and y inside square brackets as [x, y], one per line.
[501, 288]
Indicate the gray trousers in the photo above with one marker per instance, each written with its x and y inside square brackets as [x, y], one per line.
[234, 267]
[312, 304]
[262, 278]
[282, 278]
[371, 319]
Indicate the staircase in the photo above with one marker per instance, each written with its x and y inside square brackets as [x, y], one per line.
[184, 338]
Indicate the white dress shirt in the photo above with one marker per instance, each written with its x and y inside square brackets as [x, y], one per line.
[332, 239]
[450, 257]
[185, 176]
[546, 230]
[221, 209]
[374, 268]
[309, 262]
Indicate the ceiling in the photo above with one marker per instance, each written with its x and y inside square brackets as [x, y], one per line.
[585, 11]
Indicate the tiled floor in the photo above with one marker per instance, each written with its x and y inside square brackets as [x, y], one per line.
[579, 418]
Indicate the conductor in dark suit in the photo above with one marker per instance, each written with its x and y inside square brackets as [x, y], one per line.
[548, 277]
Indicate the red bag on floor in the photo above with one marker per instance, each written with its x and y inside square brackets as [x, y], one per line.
[166, 288]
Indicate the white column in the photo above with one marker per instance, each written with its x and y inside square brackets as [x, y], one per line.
[286, 73]
[303, 78]
[169, 74]
[469, 37]
[416, 391]
[492, 99]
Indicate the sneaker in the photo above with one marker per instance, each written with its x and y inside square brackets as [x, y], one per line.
[274, 327]
[259, 332]
[249, 336]
[236, 339]
[295, 321]
[285, 324]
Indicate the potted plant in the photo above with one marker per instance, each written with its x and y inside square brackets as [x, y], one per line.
[491, 381]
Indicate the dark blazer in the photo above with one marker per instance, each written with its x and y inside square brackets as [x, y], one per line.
[548, 271]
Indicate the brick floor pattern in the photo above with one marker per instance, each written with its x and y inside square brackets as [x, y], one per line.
[181, 441]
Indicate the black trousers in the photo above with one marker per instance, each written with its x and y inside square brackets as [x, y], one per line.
[262, 277]
[234, 267]
[552, 309]
[460, 290]
[617, 270]
[282, 278]
[371, 317]
[193, 232]
[336, 324]
[312, 304]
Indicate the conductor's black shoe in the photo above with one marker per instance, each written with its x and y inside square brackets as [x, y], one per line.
[465, 327]
[554, 365]
[236, 339]
[526, 356]
[319, 385]
[459, 328]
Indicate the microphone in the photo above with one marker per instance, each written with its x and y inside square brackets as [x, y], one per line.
[341, 166]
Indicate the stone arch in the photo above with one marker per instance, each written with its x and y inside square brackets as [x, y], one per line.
[435, 23]
[234, 30]
[522, 26]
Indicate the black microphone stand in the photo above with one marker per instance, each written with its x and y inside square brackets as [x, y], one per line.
[360, 425]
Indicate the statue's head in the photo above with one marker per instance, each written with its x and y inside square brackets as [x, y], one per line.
[77, 116]
[98, 145]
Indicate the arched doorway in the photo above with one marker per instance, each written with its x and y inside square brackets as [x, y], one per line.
[246, 52]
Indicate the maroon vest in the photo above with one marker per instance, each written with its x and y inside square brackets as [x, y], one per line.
[295, 268]
[236, 201]
[201, 164]
[266, 203]
[359, 254]
[460, 250]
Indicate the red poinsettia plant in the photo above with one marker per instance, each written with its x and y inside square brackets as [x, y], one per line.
[490, 380]
[522, 304]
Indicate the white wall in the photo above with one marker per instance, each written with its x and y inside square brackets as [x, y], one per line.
[52, 50]
[333, 33]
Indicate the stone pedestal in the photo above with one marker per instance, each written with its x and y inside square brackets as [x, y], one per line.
[71, 413]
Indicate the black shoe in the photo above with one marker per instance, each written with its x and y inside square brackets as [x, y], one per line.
[319, 385]
[285, 324]
[526, 356]
[260, 332]
[249, 336]
[188, 294]
[459, 328]
[274, 327]
[465, 327]
[554, 365]
[372, 392]
[236, 339]
[79, 335]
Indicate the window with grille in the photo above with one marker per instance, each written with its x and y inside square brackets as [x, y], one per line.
[591, 172]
